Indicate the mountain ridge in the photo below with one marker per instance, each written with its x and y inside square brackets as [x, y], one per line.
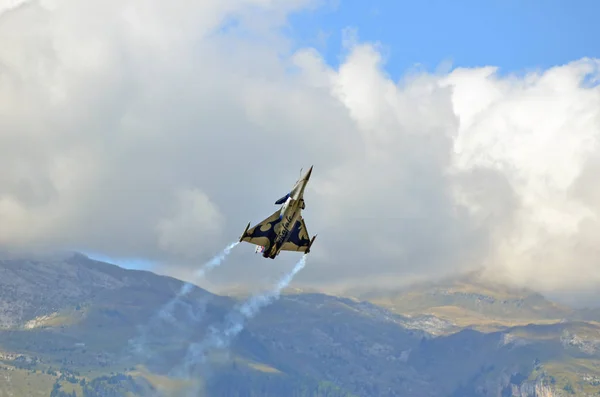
[473, 301]
[305, 343]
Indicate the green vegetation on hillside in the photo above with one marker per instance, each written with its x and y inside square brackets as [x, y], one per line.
[459, 338]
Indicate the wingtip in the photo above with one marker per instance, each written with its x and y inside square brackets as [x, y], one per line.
[312, 240]
[245, 230]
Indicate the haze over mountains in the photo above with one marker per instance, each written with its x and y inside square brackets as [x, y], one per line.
[76, 322]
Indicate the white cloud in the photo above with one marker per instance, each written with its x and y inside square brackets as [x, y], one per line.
[539, 131]
[139, 129]
[195, 225]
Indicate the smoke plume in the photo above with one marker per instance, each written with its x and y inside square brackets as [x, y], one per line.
[166, 314]
[235, 321]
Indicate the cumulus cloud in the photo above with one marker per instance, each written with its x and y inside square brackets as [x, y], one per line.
[195, 219]
[139, 129]
[541, 133]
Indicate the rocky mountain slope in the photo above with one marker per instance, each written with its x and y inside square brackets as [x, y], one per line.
[471, 301]
[74, 326]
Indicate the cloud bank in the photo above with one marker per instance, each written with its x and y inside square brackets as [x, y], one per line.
[140, 129]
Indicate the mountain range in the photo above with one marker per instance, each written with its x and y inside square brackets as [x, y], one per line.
[74, 326]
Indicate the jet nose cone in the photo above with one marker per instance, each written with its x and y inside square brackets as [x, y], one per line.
[308, 173]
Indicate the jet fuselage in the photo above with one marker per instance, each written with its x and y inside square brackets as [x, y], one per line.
[289, 214]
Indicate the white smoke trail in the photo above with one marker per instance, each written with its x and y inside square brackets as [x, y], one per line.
[236, 319]
[216, 260]
[186, 288]
[166, 312]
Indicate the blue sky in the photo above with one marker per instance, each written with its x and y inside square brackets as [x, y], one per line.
[129, 263]
[512, 34]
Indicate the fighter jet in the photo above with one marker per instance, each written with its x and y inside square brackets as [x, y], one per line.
[285, 229]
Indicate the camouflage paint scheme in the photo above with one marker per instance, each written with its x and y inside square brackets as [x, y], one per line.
[284, 230]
